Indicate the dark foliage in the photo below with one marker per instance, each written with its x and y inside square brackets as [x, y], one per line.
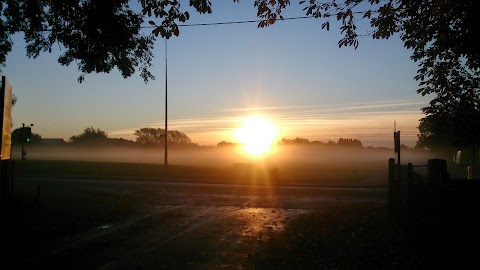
[100, 35]
[90, 135]
[154, 136]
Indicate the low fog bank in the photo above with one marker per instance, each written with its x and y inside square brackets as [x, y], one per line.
[281, 156]
[310, 165]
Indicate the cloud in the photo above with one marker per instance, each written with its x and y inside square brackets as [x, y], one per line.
[369, 121]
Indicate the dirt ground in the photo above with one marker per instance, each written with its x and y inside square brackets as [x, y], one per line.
[80, 224]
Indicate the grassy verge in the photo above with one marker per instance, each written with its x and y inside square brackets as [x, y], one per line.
[327, 174]
[114, 170]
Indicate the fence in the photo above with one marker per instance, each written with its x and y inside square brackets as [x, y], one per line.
[435, 211]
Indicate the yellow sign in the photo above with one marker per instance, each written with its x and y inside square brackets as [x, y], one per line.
[6, 119]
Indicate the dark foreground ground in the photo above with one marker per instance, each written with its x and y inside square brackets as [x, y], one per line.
[324, 211]
[102, 224]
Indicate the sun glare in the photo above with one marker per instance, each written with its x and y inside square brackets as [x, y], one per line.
[257, 135]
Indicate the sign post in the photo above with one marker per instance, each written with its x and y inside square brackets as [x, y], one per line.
[396, 138]
[6, 164]
[6, 119]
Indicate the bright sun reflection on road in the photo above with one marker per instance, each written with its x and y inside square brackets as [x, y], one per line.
[257, 135]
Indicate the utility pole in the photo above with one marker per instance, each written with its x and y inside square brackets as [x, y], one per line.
[23, 140]
[165, 161]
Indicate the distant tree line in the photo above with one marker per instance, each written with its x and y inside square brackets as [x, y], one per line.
[95, 136]
[347, 142]
[350, 142]
[342, 142]
[149, 136]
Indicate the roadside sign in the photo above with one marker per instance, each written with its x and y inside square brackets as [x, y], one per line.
[6, 119]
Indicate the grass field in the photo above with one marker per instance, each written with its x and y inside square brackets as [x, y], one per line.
[295, 165]
[314, 175]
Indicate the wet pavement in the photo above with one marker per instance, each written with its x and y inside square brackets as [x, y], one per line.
[102, 224]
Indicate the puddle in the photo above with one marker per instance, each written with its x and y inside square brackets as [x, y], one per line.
[262, 221]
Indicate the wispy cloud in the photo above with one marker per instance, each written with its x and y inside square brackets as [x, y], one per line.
[369, 121]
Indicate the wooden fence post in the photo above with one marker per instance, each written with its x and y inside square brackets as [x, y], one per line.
[437, 177]
[411, 203]
[391, 183]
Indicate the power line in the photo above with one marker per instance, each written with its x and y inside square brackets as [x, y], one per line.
[258, 21]
[234, 22]
[184, 25]
[215, 23]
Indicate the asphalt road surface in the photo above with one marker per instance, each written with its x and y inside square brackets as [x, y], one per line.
[112, 224]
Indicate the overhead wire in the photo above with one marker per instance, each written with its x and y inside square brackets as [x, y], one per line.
[213, 23]
[235, 22]
[260, 20]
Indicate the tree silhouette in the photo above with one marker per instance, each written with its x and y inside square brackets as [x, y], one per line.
[100, 35]
[97, 35]
[90, 135]
[148, 135]
[296, 140]
[178, 137]
[450, 129]
[350, 142]
[225, 144]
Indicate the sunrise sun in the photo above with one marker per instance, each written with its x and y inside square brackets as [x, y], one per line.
[257, 135]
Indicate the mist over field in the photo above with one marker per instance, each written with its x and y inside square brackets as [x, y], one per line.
[220, 156]
[294, 163]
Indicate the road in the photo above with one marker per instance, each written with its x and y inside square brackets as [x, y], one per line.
[113, 224]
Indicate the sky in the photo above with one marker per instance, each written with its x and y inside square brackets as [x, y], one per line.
[293, 73]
